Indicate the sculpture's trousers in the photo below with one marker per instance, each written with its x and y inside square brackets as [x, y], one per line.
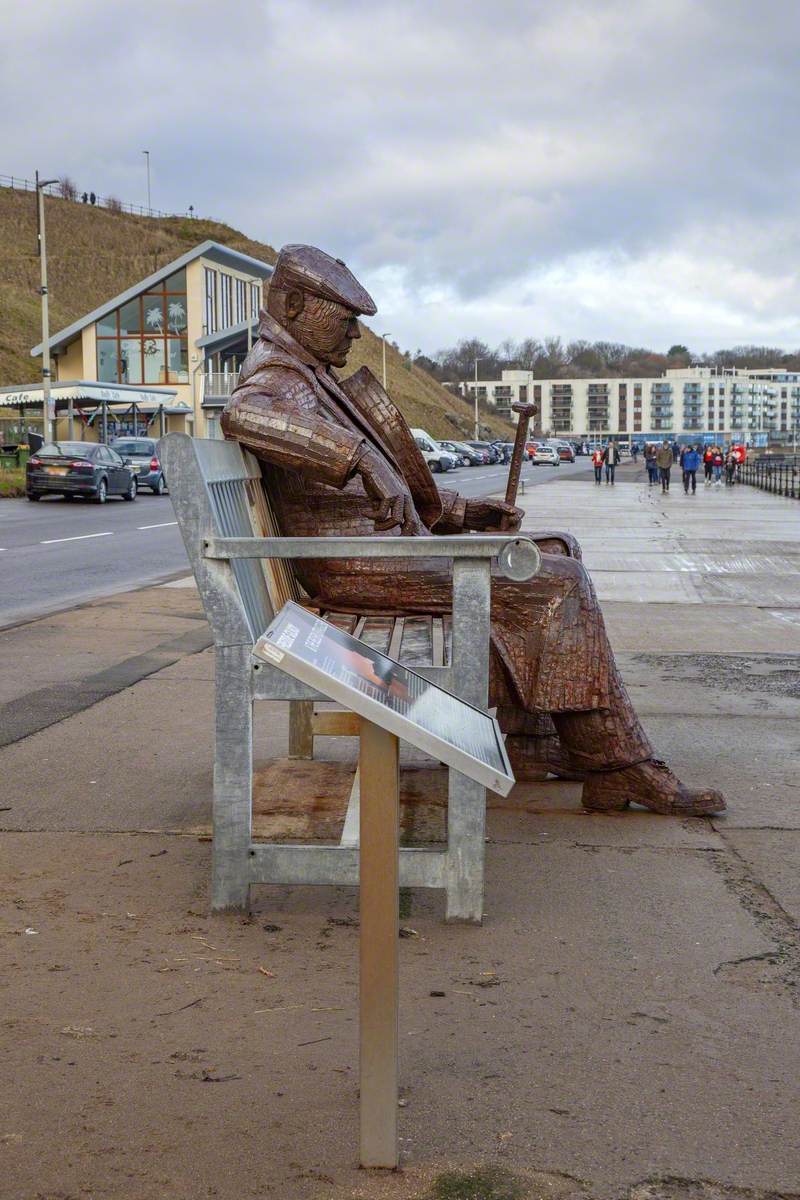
[551, 663]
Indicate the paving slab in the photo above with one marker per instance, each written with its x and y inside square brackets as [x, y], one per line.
[774, 857]
[702, 629]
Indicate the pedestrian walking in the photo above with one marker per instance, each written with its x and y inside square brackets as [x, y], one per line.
[708, 455]
[611, 457]
[731, 465]
[650, 452]
[717, 463]
[665, 459]
[635, 451]
[690, 462]
[597, 463]
[676, 449]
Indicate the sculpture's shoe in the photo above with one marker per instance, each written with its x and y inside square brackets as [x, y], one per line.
[652, 785]
[534, 758]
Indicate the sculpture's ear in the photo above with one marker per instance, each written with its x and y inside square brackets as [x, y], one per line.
[294, 304]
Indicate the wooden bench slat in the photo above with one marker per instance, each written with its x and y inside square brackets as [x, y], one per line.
[377, 633]
[416, 647]
[437, 640]
[396, 638]
[332, 723]
[344, 621]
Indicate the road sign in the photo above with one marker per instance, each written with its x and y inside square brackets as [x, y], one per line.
[394, 697]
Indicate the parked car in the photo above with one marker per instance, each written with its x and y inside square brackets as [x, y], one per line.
[488, 449]
[436, 458]
[565, 451]
[466, 455]
[79, 469]
[143, 454]
[547, 455]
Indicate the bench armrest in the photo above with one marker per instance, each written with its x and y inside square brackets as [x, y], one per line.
[519, 556]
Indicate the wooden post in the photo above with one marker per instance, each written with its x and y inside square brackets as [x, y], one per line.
[379, 966]
[301, 729]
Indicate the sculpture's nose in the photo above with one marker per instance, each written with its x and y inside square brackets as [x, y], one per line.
[353, 330]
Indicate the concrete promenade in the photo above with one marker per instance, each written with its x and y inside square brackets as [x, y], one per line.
[624, 1023]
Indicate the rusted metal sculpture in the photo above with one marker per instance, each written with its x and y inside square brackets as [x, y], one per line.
[524, 414]
[343, 462]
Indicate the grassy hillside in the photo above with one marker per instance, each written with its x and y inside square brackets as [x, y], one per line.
[93, 254]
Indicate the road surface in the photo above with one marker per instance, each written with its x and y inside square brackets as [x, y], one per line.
[54, 555]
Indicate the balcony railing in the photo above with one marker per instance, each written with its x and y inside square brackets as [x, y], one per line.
[219, 385]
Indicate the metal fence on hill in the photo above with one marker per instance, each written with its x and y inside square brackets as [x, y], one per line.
[63, 190]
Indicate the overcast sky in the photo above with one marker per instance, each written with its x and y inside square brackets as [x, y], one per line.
[591, 168]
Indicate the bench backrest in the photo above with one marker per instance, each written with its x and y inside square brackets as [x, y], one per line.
[217, 490]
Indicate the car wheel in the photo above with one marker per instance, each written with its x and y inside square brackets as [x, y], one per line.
[33, 496]
[160, 487]
[102, 492]
[132, 491]
[69, 496]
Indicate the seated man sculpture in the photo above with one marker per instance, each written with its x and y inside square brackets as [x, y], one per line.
[342, 462]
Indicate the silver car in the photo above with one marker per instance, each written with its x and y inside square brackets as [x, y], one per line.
[143, 455]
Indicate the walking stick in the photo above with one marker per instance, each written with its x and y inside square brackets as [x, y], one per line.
[526, 411]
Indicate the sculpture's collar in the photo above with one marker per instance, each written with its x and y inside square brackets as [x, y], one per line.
[271, 331]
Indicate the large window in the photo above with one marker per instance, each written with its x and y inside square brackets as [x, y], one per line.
[144, 341]
[255, 298]
[241, 301]
[210, 311]
[225, 287]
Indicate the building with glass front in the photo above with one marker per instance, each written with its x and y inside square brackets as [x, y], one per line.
[163, 355]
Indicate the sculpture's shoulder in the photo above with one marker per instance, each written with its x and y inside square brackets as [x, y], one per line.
[275, 374]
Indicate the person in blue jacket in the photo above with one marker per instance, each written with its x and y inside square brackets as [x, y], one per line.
[691, 462]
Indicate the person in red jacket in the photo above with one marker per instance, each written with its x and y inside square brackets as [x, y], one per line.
[597, 463]
[708, 456]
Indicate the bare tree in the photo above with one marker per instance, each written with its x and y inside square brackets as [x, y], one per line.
[67, 189]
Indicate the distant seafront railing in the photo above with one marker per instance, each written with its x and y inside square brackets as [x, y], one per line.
[76, 194]
[780, 478]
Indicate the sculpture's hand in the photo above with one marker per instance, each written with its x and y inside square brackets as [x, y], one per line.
[392, 505]
[492, 514]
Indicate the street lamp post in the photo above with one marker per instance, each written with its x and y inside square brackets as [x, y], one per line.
[477, 420]
[383, 338]
[41, 184]
[146, 154]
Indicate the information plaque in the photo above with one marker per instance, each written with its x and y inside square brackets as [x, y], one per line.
[388, 694]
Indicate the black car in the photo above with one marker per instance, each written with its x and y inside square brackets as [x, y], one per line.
[488, 448]
[79, 469]
[143, 455]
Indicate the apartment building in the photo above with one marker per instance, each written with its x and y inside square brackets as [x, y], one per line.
[754, 405]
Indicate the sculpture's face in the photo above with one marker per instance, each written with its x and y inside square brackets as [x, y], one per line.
[323, 327]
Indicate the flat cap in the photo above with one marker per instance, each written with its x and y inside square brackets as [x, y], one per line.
[315, 271]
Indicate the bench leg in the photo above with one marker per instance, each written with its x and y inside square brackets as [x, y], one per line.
[466, 849]
[233, 779]
[301, 736]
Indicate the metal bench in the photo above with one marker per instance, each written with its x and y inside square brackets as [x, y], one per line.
[244, 575]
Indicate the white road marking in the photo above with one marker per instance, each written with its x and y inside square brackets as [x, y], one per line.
[160, 525]
[81, 537]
